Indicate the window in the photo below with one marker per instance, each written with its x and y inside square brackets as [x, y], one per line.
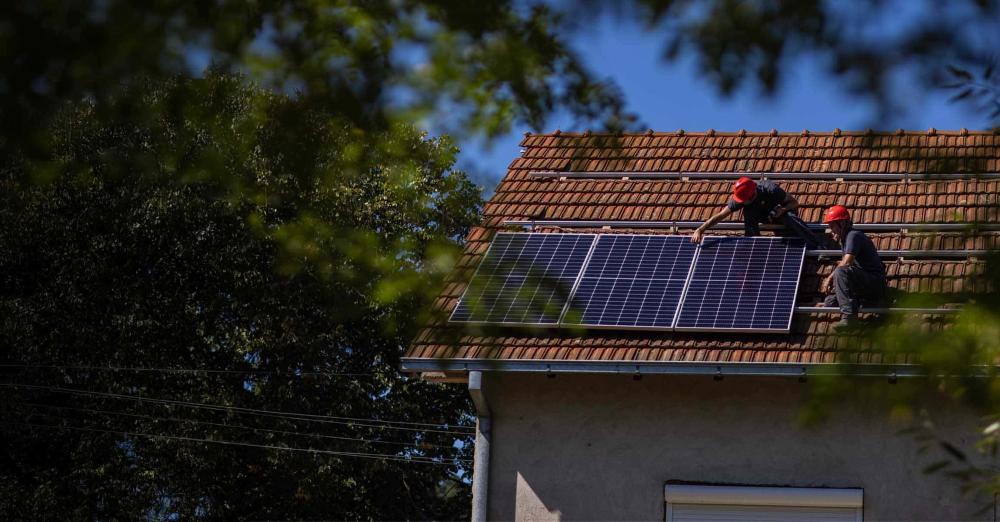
[694, 503]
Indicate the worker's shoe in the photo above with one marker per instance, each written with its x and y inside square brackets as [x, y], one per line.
[846, 323]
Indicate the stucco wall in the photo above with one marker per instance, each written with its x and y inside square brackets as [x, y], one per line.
[593, 447]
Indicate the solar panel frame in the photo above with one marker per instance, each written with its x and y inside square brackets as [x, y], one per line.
[483, 262]
[687, 284]
[692, 278]
[683, 279]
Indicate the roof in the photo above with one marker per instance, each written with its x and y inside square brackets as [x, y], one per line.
[960, 197]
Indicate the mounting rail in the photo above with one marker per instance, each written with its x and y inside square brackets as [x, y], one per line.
[918, 311]
[584, 223]
[841, 176]
[912, 254]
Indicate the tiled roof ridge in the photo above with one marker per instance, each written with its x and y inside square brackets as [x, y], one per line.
[772, 133]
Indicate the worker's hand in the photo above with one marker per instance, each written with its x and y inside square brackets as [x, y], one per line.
[696, 237]
[777, 212]
[824, 287]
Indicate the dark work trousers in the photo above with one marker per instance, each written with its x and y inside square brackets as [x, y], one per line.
[794, 226]
[851, 284]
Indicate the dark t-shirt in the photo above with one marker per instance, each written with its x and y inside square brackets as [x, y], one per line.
[865, 254]
[769, 195]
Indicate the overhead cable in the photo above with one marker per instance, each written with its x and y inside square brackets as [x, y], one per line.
[413, 445]
[183, 370]
[377, 456]
[327, 419]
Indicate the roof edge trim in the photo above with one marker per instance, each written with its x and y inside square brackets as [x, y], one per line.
[554, 366]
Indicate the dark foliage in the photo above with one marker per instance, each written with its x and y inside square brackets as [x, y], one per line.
[216, 228]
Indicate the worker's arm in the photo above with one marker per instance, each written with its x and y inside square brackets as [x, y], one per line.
[847, 260]
[789, 204]
[712, 221]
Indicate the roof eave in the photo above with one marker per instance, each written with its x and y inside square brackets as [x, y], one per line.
[556, 366]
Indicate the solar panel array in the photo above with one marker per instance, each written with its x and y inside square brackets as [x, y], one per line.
[524, 279]
[632, 280]
[743, 284]
[636, 281]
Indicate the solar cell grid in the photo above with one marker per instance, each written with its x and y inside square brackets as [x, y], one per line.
[743, 284]
[635, 281]
[524, 279]
[632, 281]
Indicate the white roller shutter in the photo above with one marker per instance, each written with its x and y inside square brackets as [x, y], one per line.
[693, 503]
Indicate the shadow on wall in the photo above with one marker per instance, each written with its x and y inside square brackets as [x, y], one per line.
[530, 506]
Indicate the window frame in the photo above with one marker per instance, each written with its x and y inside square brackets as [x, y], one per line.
[774, 496]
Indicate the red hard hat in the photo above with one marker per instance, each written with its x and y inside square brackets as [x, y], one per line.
[744, 190]
[836, 213]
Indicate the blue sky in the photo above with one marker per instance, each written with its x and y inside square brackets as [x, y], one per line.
[671, 96]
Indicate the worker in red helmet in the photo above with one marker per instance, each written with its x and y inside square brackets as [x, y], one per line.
[761, 202]
[860, 275]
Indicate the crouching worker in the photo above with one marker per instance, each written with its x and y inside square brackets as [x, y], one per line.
[763, 202]
[860, 274]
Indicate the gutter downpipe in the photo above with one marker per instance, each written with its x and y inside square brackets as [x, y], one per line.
[481, 457]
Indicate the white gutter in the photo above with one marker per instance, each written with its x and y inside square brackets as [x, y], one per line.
[554, 366]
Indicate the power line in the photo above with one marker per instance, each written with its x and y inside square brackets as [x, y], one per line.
[182, 370]
[328, 419]
[237, 426]
[351, 421]
[376, 456]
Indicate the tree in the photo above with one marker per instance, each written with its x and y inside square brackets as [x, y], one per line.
[155, 222]
[212, 233]
[372, 63]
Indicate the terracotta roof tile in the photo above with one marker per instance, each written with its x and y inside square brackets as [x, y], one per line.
[520, 196]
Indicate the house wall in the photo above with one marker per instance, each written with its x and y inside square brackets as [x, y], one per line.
[601, 447]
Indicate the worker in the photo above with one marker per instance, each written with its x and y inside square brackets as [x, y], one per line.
[763, 202]
[859, 275]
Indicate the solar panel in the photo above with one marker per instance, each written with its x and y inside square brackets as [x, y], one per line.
[524, 279]
[743, 284]
[632, 281]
